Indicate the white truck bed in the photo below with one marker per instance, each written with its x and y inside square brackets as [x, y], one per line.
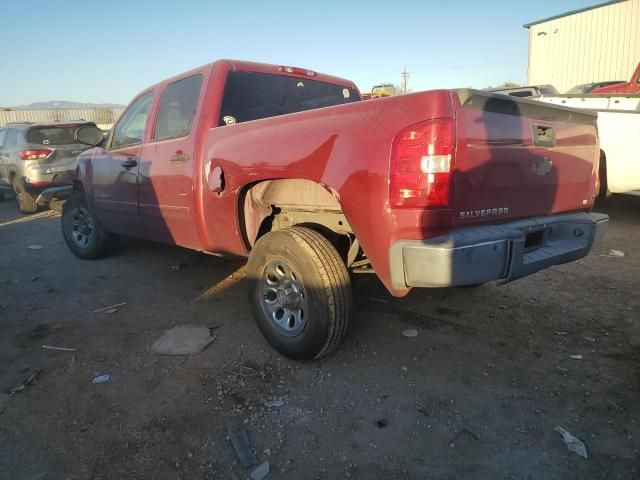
[619, 131]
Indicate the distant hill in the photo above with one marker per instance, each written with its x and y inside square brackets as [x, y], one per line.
[64, 104]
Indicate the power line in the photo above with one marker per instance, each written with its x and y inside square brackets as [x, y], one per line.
[405, 80]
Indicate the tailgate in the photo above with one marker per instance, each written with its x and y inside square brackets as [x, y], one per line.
[60, 139]
[519, 158]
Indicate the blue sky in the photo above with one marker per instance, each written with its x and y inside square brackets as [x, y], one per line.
[109, 51]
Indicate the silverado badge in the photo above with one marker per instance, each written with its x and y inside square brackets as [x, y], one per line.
[485, 212]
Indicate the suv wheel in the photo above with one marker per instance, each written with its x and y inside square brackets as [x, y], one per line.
[56, 205]
[26, 201]
[82, 233]
[300, 292]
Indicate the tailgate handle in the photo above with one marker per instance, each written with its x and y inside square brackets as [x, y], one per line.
[543, 135]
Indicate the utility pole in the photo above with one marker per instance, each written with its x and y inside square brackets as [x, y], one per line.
[405, 80]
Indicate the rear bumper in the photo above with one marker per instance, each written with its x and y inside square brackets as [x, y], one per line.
[495, 252]
[36, 184]
[58, 185]
[38, 177]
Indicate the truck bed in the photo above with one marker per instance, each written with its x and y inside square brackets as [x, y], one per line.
[500, 171]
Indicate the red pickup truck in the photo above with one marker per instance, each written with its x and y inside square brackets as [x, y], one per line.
[288, 167]
[632, 86]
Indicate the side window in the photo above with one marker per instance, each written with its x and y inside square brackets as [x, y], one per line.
[12, 138]
[3, 134]
[178, 108]
[130, 127]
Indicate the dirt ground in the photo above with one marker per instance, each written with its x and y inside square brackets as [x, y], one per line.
[476, 394]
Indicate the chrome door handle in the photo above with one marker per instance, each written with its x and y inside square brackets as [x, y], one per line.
[129, 163]
[179, 157]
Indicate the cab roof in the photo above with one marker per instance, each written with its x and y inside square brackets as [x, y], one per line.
[247, 66]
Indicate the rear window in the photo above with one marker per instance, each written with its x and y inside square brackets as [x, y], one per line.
[62, 135]
[251, 96]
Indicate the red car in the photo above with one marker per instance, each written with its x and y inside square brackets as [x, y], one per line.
[290, 168]
[632, 86]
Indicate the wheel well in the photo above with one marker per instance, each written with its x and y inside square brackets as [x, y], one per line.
[78, 186]
[276, 204]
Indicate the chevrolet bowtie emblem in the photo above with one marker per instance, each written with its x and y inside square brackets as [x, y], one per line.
[541, 166]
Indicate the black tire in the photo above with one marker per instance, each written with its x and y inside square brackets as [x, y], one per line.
[604, 193]
[82, 233]
[26, 201]
[317, 295]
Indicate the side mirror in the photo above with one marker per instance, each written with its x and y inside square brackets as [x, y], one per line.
[89, 135]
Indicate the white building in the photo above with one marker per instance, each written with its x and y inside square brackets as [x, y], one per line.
[595, 44]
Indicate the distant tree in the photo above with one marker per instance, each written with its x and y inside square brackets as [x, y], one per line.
[508, 84]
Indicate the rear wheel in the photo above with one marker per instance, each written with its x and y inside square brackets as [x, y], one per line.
[300, 292]
[25, 200]
[82, 233]
[604, 193]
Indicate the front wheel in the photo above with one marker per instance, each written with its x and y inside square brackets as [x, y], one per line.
[300, 292]
[82, 233]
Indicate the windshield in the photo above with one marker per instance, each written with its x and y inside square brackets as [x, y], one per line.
[251, 96]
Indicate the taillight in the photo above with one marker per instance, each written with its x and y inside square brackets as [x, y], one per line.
[35, 154]
[298, 71]
[422, 158]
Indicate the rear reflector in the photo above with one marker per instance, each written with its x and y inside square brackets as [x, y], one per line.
[422, 158]
[35, 154]
[298, 71]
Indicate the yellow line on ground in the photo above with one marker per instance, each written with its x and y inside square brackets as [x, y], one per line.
[30, 218]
